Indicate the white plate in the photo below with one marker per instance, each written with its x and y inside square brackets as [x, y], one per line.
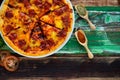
[48, 54]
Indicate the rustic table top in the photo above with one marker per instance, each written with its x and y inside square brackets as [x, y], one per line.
[104, 41]
[97, 2]
[72, 67]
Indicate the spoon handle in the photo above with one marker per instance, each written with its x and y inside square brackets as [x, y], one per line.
[92, 26]
[90, 55]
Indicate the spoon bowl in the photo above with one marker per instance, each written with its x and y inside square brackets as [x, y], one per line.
[81, 10]
[82, 39]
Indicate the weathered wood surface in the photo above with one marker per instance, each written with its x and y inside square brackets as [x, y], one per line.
[104, 41]
[97, 2]
[68, 68]
[62, 68]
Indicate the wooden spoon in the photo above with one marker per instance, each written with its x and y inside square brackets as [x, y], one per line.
[81, 10]
[82, 39]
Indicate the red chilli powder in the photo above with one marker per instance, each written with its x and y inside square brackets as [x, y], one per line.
[81, 37]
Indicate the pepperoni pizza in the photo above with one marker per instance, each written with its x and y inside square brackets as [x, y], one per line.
[35, 27]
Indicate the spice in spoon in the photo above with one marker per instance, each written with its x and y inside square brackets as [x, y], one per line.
[81, 10]
[81, 37]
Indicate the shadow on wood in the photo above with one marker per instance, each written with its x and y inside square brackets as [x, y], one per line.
[66, 67]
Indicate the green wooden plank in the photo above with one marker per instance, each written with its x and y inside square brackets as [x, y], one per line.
[103, 8]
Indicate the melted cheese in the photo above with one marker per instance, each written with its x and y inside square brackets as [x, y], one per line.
[53, 36]
[47, 19]
[34, 43]
[59, 23]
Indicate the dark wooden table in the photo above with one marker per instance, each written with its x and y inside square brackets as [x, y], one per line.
[66, 67]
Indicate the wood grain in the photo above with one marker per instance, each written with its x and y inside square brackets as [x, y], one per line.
[97, 2]
[63, 68]
[68, 68]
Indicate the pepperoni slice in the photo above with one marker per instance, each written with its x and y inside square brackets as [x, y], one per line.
[62, 33]
[21, 43]
[9, 14]
[12, 36]
[60, 11]
[47, 44]
[34, 36]
[38, 3]
[22, 14]
[26, 3]
[27, 21]
[46, 6]
[51, 42]
[31, 12]
[8, 28]
[44, 45]
[58, 2]
[20, 0]
[66, 20]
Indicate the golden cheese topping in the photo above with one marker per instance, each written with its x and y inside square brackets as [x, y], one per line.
[35, 27]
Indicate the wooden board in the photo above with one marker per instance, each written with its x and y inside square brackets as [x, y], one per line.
[72, 67]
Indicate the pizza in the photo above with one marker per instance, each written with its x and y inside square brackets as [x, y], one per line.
[36, 27]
